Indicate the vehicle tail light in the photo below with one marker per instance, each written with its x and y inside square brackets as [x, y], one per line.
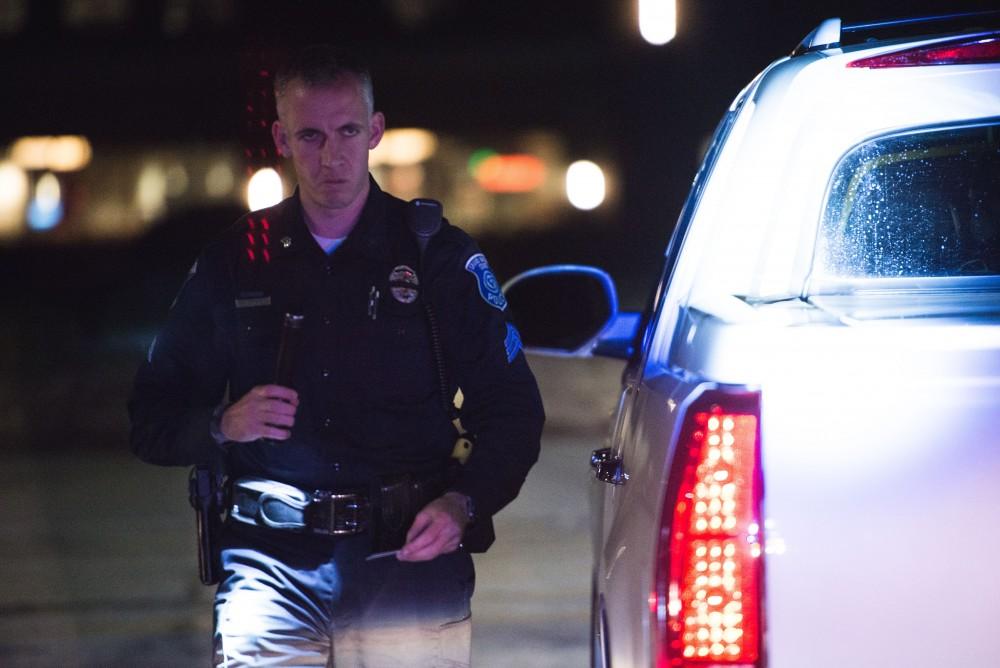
[967, 52]
[708, 597]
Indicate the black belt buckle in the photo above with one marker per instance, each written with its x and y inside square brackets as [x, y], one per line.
[337, 514]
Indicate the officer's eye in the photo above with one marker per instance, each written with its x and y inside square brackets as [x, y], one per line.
[308, 136]
[350, 130]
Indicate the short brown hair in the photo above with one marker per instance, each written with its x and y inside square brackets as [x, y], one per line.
[322, 64]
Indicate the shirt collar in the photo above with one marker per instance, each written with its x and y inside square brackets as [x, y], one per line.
[290, 235]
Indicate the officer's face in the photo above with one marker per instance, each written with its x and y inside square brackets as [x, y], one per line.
[327, 131]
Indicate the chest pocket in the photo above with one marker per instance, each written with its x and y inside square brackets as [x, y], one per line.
[258, 330]
[401, 352]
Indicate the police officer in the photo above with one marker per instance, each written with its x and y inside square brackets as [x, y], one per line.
[355, 455]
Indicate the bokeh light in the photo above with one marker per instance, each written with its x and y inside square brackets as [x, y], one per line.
[585, 185]
[13, 199]
[404, 146]
[264, 189]
[46, 208]
[58, 154]
[658, 21]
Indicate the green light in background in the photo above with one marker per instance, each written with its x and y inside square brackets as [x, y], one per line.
[477, 158]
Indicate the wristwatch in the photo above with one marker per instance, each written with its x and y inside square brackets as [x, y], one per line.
[470, 506]
[215, 425]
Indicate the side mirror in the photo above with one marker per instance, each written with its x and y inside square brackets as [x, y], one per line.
[570, 310]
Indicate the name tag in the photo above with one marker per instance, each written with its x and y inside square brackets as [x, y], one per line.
[247, 302]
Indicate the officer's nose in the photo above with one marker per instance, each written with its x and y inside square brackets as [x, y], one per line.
[326, 155]
[329, 154]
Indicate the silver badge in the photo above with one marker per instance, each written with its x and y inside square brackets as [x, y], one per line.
[286, 242]
[404, 284]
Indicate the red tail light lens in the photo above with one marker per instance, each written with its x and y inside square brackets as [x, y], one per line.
[709, 578]
[967, 52]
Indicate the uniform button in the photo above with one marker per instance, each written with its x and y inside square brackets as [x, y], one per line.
[327, 321]
[336, 466]
[327, 422]
[325, 373]
[328, 269]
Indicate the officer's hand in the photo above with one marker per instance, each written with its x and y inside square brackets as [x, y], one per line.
[266, 411]
[437, 529]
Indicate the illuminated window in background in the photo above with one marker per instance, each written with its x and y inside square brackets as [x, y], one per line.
[176, 17]
[130, 190]
[585, 185]
[405, 181]
[177, 180]
[219, 180]
[658, 20]
[87, 13]
[46, 208]
[151, 191]
[13, 15]
[125, 190]
[264, 189]
[404, 146]
[13, 199]
[58, 154]
[399, 160]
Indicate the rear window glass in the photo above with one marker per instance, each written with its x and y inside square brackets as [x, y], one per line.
[915, 205]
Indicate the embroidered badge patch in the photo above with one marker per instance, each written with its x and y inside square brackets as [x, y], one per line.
[404, 284]
[489, 288]
[512, 343]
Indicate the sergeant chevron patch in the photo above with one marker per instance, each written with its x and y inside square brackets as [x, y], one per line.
[512, 343]
[489, 288]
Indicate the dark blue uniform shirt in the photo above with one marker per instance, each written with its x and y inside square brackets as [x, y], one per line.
[370, 397]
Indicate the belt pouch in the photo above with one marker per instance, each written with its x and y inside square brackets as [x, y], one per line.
[400, 499]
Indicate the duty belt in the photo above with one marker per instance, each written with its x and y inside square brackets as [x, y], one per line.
[275, 505]
[387, 515]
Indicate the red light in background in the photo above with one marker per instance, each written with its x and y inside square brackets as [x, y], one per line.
[510, 173]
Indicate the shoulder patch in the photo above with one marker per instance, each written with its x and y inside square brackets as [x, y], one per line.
[512, 343]
[489, 288]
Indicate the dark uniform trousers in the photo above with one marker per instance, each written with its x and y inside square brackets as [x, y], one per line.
[371, 408]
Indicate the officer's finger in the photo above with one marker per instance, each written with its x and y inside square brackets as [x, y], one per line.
[417, 547]
[426, 538]
[277, 409]
[280, 407]
[422, 553]
[434, 539]
[443, 543]
[278, 392]
[276, 420]
[420, 524]
[276, 433]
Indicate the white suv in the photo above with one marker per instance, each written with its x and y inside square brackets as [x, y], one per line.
[804, 468]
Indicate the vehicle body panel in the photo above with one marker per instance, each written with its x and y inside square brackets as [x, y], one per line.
[880, 445]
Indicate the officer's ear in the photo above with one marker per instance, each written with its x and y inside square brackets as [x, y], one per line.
[280, 137]
[376, 129]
